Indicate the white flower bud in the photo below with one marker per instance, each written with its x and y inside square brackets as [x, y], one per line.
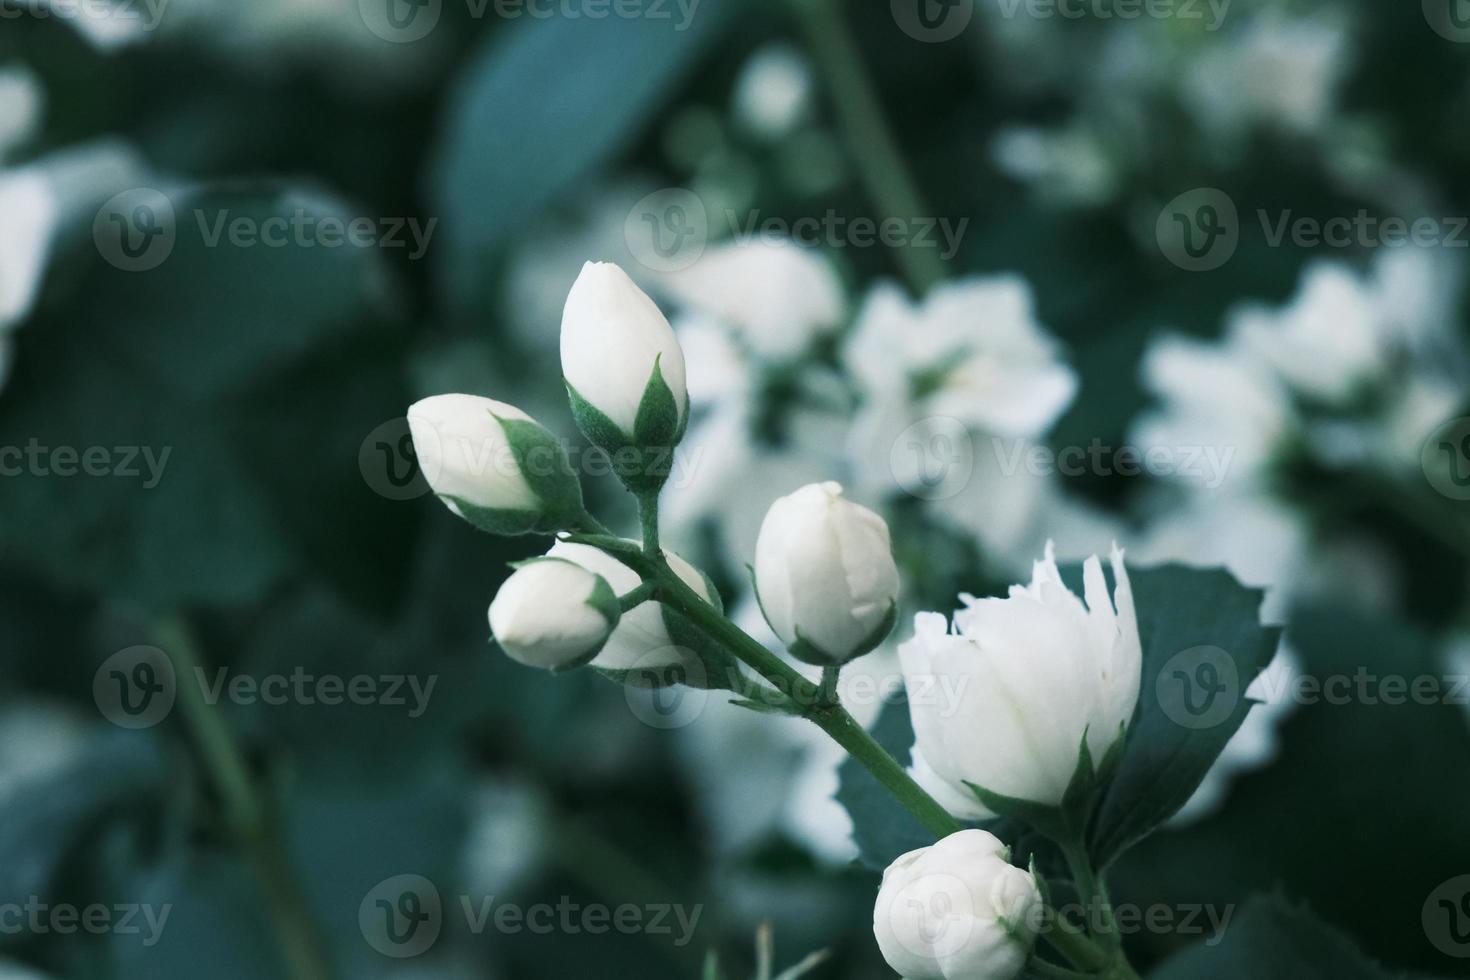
[825, 574]
[1030, 674]
[622, 363]
[553, 613]
[494, 465]
[958, 910]
[641, 640]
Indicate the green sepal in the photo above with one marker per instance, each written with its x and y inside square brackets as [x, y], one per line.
[808, 652]
[643, 459]
[502, 521]
[1067, 821]
[600, 430]
[543, 464]
[605, 601]
[658, 422]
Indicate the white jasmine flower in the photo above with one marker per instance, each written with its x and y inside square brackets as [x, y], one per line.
[493, 465]
[613, 340]
[553, 613]
[825, 575]
[1040, 670]
[958, 910]
[641, 640]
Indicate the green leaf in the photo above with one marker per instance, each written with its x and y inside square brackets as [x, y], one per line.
[503, 157]
[1188, 619]
[136, 365]
[1271, 940]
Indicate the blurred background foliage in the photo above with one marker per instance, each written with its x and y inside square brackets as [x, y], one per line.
[527, 140]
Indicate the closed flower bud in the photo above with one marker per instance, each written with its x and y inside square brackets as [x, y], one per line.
[493, 465]
[958, 910]
[623, 367]
[825, 575]
[554, 614]
[1031, 674]
[642, 641]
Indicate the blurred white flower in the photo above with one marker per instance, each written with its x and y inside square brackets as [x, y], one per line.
[37, 740]
[957, 910]
[1040, 671]
[775, 296]
[1283, 71]
[971, 358]
[40, 201]
[1326, 342]
[507, 836]
[21, 100]
[1213, 396]
[773, 92]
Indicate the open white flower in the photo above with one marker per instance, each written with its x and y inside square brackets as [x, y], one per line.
[1031, 673]
[958, 910]
[641, 640]
[825, 573]
[553, 613]
[613, 337]
[775, 296]
[493, 465]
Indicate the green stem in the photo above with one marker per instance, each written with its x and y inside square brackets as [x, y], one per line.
[1076, 948]
[881, 164]
[1091, 891]
[245, 813]
[1050, 971]
[828, 693]
[638, 596]
[831, 718]
[648, 518]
